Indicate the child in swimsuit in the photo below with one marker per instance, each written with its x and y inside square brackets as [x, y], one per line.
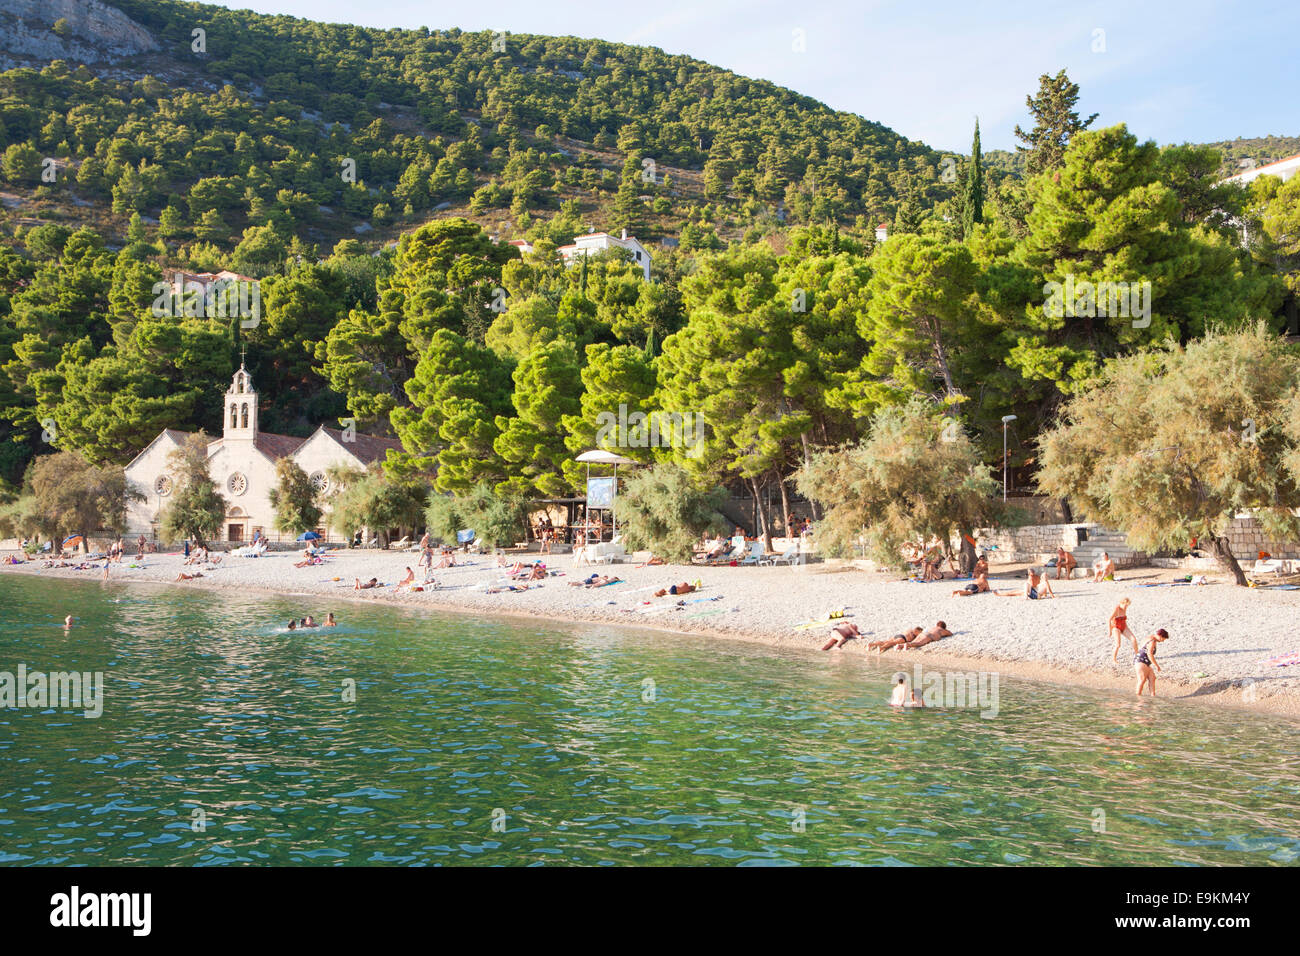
[1119, 627]
[1144, 658]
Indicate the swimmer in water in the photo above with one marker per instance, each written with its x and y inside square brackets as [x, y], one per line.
[902, 697]
[67, 622]
[329, 620]
[293, 625]
[309, 621]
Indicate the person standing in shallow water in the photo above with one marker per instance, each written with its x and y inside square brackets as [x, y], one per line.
[1144, 659]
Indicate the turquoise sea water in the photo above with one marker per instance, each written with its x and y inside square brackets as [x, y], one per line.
[492, 742]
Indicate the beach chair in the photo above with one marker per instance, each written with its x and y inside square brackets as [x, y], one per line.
[400, 545]
[755, 555]
[790, 556]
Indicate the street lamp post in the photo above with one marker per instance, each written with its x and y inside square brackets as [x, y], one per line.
[1006, 420]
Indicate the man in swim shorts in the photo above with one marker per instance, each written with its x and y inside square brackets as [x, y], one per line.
[978, 586]
[898, 640]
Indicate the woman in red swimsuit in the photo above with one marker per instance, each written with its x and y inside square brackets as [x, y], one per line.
[1118, 626]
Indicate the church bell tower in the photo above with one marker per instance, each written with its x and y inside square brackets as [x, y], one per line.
[241, 408]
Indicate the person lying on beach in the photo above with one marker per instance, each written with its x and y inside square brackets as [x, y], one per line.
[372, 583]
[841, 634]
[1117, 627]
[898, 640]
[936, 633]
[1103, 569]
[182, 576]
[595, 581]
[448, 560]
[329, 620]
[308, 562]
[1145, 658]
[652, 562]
[979, 586]
[1036, 586]
[507, 587]
[683, 588]
[1065, 564]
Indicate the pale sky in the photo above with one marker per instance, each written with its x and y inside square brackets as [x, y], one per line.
[1190, 71]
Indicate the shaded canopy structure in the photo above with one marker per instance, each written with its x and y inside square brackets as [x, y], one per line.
[599, 456]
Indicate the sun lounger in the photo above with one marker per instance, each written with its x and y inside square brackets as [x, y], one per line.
[755, 555]
[790, 556]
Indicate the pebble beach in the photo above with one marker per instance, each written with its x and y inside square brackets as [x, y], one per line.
[1223, 639]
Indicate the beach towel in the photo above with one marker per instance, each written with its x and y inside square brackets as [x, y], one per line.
[1285, 660]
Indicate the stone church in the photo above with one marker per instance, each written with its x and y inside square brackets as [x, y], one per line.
[242, 464]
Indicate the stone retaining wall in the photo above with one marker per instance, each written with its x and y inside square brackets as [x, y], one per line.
[1248, 539]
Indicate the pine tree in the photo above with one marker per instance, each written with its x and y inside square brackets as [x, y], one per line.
[1055, 123]
[973, 210]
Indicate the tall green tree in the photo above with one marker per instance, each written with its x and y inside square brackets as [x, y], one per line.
[1056, 122]
[973, 205]
[547, 388]
[915, 475]
[457, 395]
[196, 509]
[1170, 444]
[294, 500]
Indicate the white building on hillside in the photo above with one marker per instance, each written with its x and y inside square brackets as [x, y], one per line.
[595, 242]
[1283, 169]
[242, 464]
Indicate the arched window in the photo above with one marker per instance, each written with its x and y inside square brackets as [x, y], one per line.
[234, 421]
[243, 416]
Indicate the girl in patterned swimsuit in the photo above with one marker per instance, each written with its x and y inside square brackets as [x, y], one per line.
[1144, 658]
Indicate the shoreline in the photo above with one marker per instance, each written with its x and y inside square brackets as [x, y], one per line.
[752, 603]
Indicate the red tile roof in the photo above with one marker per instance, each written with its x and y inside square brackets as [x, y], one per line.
[276, 447]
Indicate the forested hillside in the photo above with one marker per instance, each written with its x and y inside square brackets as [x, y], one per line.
[326, 129]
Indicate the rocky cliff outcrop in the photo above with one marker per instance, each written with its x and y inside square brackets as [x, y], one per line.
[95, 32]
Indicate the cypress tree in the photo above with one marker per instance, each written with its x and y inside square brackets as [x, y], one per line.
[973, 209]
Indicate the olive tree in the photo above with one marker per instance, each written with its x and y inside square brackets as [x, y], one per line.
[1171, 443]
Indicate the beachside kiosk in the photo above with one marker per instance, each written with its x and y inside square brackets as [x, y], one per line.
[602, 492]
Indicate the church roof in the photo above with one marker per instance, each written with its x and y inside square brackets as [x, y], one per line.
[176, 436]
[369, 448]
[277, 446]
